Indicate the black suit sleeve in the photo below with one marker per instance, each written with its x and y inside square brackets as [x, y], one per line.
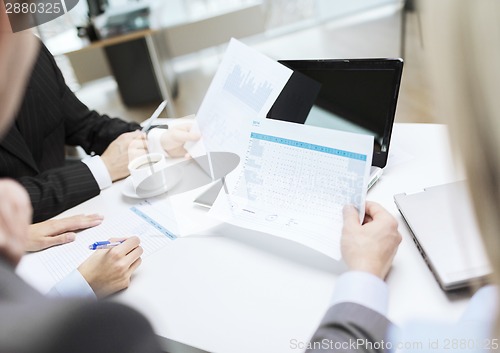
[353, 328]
[84, 127]
[59, 189]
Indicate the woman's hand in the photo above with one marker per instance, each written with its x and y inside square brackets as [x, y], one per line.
[53, 232]
[109, 270]
[121, 151]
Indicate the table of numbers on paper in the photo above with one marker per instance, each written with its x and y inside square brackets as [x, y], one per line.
[296, 188]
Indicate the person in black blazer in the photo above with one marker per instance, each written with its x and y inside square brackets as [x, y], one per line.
[29, 322]
[49, 118]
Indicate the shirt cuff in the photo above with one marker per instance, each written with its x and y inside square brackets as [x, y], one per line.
[73, 285]
[361, 288]
[154, 141]
[99, 171]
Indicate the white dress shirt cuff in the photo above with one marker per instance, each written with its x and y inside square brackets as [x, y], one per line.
[73, 285]
[154, 141]
[361, 288]
[99, 171]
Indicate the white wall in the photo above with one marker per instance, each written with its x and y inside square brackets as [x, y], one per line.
[337, 8]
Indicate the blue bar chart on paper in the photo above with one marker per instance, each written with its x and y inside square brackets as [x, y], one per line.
[246, 88]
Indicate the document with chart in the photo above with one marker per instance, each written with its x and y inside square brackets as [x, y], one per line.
[294, 181]
[245, 86]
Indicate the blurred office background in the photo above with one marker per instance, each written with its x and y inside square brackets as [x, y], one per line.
[192, 35]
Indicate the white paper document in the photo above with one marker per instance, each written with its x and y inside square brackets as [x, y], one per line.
[155, 226]
[244, 88]
[294, 181]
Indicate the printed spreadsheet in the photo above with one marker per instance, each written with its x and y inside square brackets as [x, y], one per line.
[294, 181]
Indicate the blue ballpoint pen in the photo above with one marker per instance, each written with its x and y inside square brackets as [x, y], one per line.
[104, 245]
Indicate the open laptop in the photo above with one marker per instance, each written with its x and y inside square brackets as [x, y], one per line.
[354, 95]
[443, 226]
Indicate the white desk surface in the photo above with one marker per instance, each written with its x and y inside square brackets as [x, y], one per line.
[245, 292]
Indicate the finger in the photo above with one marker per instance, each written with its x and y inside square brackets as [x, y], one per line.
[138, 143]
[136, 152]
[134, 265]
[137, 149]
[58, 226]
[115, 240]
[375, 210]
[59, 239]
[135, 134]
[351, 216]
[127, 246]
[133, 255]
[184, 136]
[128, 137]
[178, 152]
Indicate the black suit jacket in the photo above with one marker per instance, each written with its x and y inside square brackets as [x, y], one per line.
[33, 150]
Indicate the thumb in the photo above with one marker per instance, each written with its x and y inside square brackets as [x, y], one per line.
[351, 216]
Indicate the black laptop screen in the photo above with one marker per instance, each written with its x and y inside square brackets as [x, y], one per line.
[357, 95]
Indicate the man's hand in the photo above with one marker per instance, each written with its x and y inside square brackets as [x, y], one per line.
[15, 217]
[53, 232]
[109, 270]
[370, 247]
[116, 156]
[173, 139]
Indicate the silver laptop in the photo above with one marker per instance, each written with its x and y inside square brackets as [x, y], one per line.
[443, 226]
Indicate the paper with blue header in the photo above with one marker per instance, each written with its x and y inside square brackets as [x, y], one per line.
[294, 181]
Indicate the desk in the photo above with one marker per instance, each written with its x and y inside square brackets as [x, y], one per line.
[247, 292]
